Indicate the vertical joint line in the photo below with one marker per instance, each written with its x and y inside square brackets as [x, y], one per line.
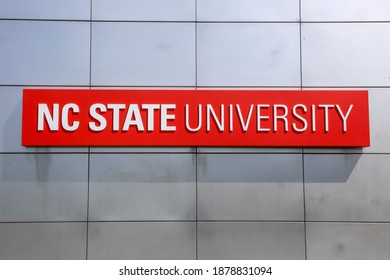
[89, 148]
[304, 202]
[196, 44]
[196, 148]
[303, 154]
[300, 45]
[90, 45]
[196, 202]
[88, 178]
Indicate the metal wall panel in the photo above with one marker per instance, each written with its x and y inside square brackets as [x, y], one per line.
[345, 10]
[143, 150]
[248, 10]
[142, 187]
[43, 187]
[347, 187]
[379, 121]
[247, 150]
[344, 54]
[143, 54]
[44, 53]
[45, 9]
[248, 54]
[242, 240]
[141, 241]
[348, 241]
[250, 187]
[43, 241]
[154, 10]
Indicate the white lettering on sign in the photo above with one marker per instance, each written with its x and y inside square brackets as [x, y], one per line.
[344, 117]
[326, 112]
[299, 117]
[260, 117]
[188, 118]
[265, 112]
[65, 114]
[219, 121]
[151, 108]
[149, 117]
[282, 117]
[133, 116]
[52, 119]
[165, 117]
[97, 117]
[244, 125]
[115, 114]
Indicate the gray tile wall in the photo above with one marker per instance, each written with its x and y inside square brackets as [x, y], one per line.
[188, 203]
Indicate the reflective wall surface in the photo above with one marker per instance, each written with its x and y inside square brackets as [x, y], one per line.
[192, 202]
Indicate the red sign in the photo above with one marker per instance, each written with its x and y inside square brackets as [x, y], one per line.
[267, 118]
